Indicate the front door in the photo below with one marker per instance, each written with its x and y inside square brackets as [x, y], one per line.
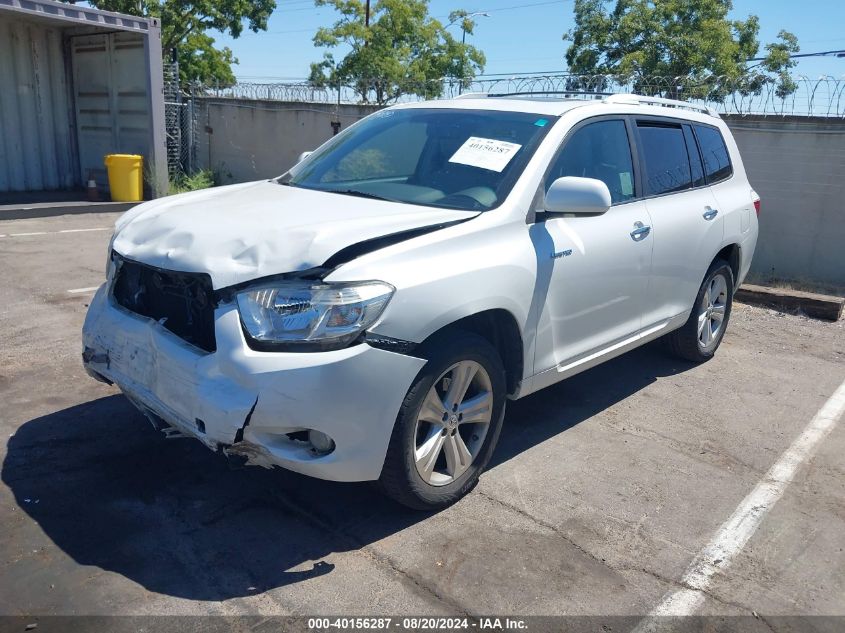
[597, 267]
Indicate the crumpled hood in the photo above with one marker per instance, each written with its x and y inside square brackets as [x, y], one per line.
[241, 232]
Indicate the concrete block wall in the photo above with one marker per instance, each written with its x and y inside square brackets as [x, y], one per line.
[243, 140]
[797, 165]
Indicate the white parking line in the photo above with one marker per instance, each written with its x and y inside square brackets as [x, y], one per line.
[99, 228]
[77, 291]
[737, 530]
[84, 230]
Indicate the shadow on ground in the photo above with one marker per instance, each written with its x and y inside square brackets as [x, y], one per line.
[175, 518]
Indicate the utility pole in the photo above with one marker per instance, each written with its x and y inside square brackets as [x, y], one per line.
[367, 15]
[463, 16]
[463, 58]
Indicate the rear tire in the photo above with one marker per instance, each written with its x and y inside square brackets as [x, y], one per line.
[699, 338]
[448, 424]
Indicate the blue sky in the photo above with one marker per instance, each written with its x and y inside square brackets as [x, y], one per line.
[523, 35]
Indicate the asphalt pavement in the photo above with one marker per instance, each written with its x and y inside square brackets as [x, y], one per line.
[603, 491]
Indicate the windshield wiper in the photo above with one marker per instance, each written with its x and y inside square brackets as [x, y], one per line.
[360, 194]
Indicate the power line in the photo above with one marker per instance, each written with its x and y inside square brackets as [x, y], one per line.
[837, 53]
[510, 8]
[525, 6]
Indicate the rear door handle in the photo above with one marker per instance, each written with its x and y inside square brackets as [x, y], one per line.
[709, 214]
[640, 232]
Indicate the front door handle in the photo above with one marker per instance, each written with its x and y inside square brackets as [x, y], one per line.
[640, 232]
[709, 214]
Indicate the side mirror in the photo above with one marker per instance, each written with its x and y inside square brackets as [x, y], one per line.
[303, 156]
[577, 196]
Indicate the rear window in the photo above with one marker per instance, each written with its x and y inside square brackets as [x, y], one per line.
[714, 153]
[667, 166]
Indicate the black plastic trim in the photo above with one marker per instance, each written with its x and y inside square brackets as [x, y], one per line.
[296, 347]
[207, 341]
[354, 251]
[390, 344]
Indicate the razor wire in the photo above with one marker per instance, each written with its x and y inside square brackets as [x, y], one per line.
[746, 95]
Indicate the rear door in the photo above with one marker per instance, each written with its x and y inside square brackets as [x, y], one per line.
[688, 227]
[730, 188]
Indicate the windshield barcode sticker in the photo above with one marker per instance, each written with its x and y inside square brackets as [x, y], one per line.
[485, 153]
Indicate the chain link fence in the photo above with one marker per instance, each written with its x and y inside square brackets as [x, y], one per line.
[180, 116]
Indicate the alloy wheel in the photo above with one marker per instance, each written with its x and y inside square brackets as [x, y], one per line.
[452, 423]
[712, 313]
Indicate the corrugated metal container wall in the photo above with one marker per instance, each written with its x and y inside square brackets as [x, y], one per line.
[112, 107]
[37, 149]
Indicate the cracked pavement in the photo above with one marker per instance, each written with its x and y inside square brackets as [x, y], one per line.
[602, 490]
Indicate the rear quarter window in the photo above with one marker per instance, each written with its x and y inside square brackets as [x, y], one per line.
[714, 153]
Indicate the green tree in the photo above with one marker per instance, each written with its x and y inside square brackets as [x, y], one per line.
[692, 39]
[402, 51]
[183, 29]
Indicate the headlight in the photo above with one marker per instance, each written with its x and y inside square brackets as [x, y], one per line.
[310, 316]
[110, 259]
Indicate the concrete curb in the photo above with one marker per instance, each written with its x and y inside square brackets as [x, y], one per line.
[814, 305]
[51, 209]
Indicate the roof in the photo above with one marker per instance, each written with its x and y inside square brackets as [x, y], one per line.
[551, 107]
[63, 14]
[555, 106]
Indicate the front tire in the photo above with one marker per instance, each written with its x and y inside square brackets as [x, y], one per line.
[699, 338]
[448, 424]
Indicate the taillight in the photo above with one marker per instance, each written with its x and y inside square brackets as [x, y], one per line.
[757, 206]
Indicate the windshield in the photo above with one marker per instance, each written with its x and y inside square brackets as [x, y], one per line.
[453, 158]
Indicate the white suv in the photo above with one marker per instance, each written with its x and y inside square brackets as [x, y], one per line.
[366, 315]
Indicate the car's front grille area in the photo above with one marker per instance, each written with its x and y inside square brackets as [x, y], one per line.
[182, 302]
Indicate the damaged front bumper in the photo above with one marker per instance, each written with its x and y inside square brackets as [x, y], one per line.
[254, 404]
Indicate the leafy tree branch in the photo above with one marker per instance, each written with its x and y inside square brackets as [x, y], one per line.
[691, 39]
[402, 51]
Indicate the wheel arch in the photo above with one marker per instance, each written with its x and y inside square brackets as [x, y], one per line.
[731, 254]
[500, 328]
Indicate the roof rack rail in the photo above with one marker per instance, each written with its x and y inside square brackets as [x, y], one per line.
[633, 99]
[527, 93]
[524, 93]
[471, 95]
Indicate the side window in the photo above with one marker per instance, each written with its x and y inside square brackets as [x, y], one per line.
[667, 166]
[717, 161]
[598, 150]
[694, 158]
